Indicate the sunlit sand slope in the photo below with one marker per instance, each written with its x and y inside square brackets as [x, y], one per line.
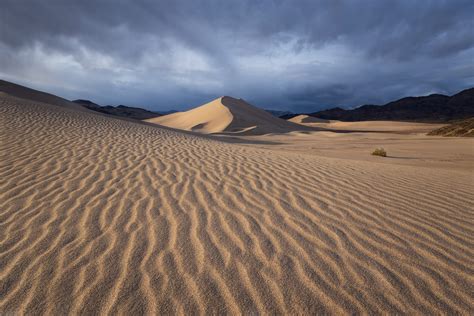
[99, 215]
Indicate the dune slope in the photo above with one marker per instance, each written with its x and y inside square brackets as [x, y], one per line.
[227, 115]
[23, 92]
[463, 128]
[99, 215]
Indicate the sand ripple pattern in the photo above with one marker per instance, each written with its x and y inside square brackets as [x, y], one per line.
[99, 215]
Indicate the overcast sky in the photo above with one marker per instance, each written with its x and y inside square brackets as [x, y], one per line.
[296, 55]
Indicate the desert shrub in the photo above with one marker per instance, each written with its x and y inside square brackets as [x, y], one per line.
[380, 152]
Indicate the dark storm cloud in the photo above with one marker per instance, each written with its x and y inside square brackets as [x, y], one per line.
[277, 54]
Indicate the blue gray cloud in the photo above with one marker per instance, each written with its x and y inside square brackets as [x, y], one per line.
[298, 55]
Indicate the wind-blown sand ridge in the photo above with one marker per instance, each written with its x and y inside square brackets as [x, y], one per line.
[100, 215]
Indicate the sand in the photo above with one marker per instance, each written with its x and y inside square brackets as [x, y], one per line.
[17, 90]
[100, 215]
[366, 126]
[461, 128]
[306, 119]
[403, 148]
[227, 115]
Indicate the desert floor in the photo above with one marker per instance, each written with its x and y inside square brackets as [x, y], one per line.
[100, 215]
[410, 149]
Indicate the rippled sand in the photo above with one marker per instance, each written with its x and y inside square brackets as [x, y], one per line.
[99, 215]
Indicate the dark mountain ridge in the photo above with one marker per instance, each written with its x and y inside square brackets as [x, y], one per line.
[431, 108]
[121, 110]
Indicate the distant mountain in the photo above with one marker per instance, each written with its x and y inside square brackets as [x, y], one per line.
[464, 128]
[166, 112]
[289, 116]
[121, 110]
[432, 108]
[279, 113]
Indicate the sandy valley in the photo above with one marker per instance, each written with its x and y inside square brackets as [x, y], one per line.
[102, 215]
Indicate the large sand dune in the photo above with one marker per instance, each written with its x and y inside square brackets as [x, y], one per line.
[23, 92]
[105, 216]
[227, 115]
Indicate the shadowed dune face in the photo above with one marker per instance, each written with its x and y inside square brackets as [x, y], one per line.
[227, 115]
[99, 215]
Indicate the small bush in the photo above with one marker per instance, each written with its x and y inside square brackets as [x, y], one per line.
[380, 152]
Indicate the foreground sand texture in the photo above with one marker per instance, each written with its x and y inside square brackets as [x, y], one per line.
[99, 215]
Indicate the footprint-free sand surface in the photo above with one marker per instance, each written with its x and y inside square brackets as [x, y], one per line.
[100, 215]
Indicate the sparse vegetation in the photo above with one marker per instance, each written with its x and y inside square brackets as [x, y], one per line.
[380, 152]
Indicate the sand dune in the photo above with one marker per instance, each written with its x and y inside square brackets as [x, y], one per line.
[374, 126]
[303, 118]
[462, 128]
[23, 92]
[105, 216]
[227, 115]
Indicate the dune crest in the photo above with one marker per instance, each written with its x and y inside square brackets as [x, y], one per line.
[227, 115]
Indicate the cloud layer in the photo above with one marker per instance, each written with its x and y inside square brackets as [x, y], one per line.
[299, 55]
